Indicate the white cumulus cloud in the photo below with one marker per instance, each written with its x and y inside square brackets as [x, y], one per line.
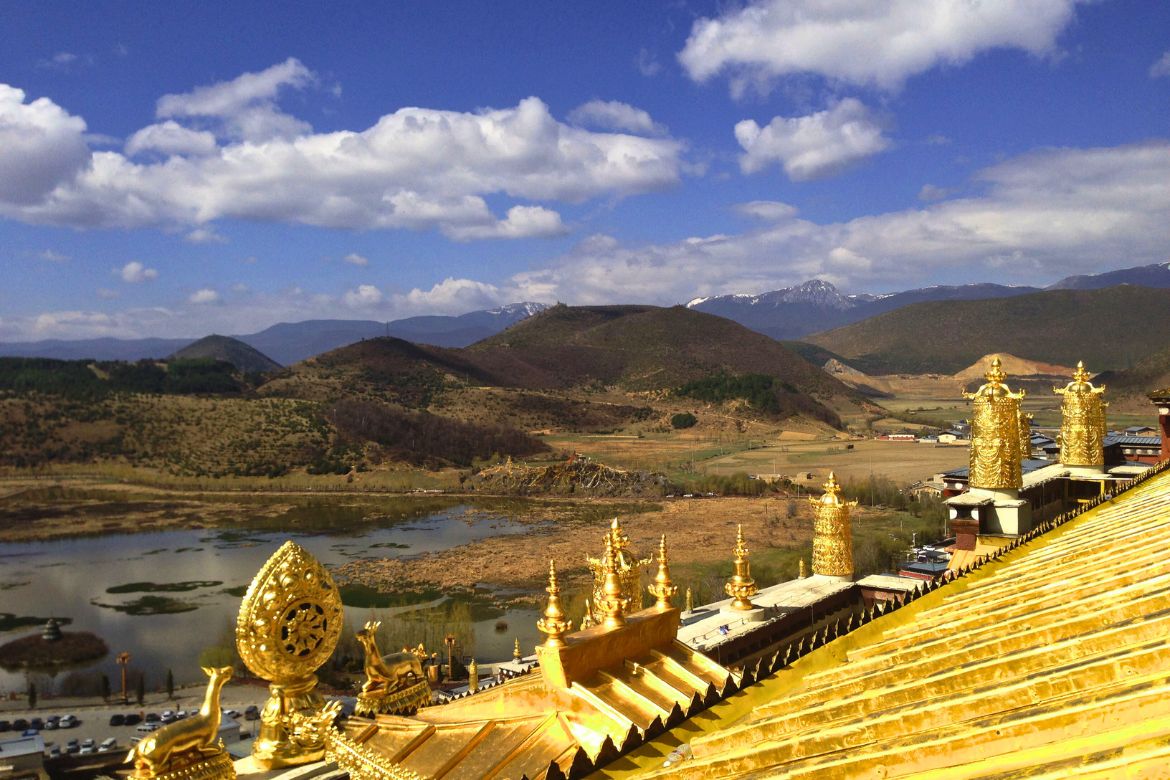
[416, 168]
[170, 138]
[203, 296]
[41, 147]
[521, 222]
[1047, 214]
[353, 258]
[614, 115]
[1161, 68]
[204, 235]
[766, 210]
[364, 297]
[813, 146]
[246, 105]
[862, 42]
[135, 272]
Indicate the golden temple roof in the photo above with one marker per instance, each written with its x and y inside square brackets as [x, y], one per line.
[1052, 660]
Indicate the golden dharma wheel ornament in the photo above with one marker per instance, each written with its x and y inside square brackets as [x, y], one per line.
[288, 625]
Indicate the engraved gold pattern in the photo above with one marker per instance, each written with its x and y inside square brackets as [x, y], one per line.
[663, 590]
[741, 587]
[995, 433]
[832, 533]
[553, 623]
[628, 567]
[288, 626]
[1082, 421]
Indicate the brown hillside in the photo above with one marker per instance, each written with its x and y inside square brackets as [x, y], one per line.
[582, 368]
[1110, 328]
[1013, 366]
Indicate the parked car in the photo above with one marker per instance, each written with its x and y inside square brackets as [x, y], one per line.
[68, 721]
[146, 728]
[132, 719]
[109, 743]
[87, 750]
[20, 724]
[88, 742]
[252, 712]
[54, 751]
[36, 723]
[231, 713]
[117, 719]
[5, 725]
[72, 746]
[168, 716]
[152, 717]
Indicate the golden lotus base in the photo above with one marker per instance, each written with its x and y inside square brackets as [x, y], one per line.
[192, 765]
[405, 701]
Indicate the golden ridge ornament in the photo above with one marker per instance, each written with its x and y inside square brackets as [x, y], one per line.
[832, 533]
[663, 590]
[1082, 421]
[554, 624]
[613, 603]
[395, 683]
[288, 626]
[995, 434]
[741, 587]
[188, 749]
[627, 565]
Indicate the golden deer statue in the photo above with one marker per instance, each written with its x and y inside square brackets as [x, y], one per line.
[385, 672]
[192, 738]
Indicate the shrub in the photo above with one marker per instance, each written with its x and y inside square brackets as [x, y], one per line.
[683, 420]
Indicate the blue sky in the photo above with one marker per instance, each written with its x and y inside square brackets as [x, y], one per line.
[176, 169]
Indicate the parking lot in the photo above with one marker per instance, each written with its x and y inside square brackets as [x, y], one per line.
[92, 720]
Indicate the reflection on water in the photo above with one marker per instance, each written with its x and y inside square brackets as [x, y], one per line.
[111, 585]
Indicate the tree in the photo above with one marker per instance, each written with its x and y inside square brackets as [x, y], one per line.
[683, 420]
[32, 696]
[141, 690]
[106, 687]
[170, 684]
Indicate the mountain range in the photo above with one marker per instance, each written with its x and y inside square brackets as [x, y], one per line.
[290, 342]
[816, 305]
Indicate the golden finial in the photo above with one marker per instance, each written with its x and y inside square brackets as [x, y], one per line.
[663, 590]
[1082, 421]
[472, 676]
[553, 624]
[587, 621]
[995, 374]
[832, 554]
[690, 600]
[612, 605]
[803, 570]
[741, 587]
[516, 655]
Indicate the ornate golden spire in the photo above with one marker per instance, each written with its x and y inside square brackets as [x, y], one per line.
[627, 565]
[690, 600]
[612, 605]
[663, 590]
[553, 624]
[516, 656]
[803, 570]
[587, 621]
[996, 441]
[1082, 421]
[832, 533]
[741, 587]
[995, 374]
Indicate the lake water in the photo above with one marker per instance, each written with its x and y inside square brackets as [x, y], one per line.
[73, 578]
